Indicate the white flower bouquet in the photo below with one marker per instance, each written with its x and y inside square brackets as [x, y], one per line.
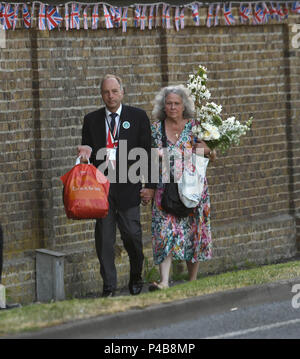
[210, 127]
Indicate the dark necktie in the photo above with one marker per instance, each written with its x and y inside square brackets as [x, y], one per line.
[113, 122]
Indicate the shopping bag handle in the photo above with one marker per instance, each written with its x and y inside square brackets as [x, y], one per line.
[78, 160]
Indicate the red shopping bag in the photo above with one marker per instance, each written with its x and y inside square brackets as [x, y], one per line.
[85, 194]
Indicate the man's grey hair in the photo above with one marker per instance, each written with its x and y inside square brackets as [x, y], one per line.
[158, 112]
[110, 76]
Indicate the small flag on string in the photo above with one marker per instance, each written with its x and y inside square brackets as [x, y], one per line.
[117, 20]
[143, 17]
[156, 15]
[95, 17]
[74, 17]
[163, 15]
[8, 17]
[42, 17]
[286, 10]
[137, 16]
[67, 22]
[195, 14]
[168, 18]
[150, 17]
[296, 7]
[258, 14]
[16, 11]
[53, 17]
[85, 18]
[107, 17]
[245, 13]
[177, 18]
[266, 13]
[229, 19]
[124, 19]
[1, 13]
[112, 14]
[210, 16]
[218, 8]
[26, 16]
[182, 19]
[273, 11]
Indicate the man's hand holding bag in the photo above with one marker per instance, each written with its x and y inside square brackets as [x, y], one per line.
[85, 192]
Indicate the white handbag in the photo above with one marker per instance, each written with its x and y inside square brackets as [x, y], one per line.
[191, 185]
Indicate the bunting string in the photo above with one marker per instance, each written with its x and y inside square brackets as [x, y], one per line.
[76, 15]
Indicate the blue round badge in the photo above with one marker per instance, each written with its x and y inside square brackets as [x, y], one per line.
[126, 125]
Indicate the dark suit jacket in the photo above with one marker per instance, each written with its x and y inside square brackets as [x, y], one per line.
[127, 194]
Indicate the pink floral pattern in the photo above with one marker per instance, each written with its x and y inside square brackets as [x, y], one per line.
[186, 238]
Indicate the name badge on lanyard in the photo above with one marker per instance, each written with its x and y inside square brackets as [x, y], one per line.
[112, 143]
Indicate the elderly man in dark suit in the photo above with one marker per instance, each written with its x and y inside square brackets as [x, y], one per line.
[104, 131]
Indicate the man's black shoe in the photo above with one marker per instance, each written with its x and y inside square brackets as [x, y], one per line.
[135, 287]
[108, 293]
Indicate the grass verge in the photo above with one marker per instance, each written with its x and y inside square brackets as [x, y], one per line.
[40, 315]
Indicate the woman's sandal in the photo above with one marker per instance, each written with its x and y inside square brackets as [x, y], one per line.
[156, 286]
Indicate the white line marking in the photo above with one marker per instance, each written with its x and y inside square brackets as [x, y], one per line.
[256, 329]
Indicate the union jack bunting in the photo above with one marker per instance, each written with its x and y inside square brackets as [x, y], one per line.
[245, 13]
[286, 10]
[124, 19]
[108, 20]
[74, 17]
[117, 20]
[8, 17]
[143, 17]
[137, 16]
[95, 17]
[182, 18]
[258, 14]
[67, 22]
[112, 14]
[85, 18]
[16, 11]
[210, 16]
[42, 17]
[229, 19]
[1, 13]
[53, 17]
[26, 16]
[216, 21]
[283, 11]
[273, 11]
[168, 18]
[266, 13]
[156, 15]
[296, 7]
[195, 14]
[163, 15]
[177, 18]
[150, 17]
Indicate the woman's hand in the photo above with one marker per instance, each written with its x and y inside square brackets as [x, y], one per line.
[202, 148]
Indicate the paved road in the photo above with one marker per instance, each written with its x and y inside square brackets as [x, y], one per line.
[265, 321]
[269, 311]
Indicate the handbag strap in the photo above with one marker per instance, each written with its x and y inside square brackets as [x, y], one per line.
[165, 145]
[163, 133]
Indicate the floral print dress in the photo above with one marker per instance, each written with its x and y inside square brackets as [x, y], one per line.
[187, 238]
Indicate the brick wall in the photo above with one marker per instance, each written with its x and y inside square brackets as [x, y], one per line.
[50, 80]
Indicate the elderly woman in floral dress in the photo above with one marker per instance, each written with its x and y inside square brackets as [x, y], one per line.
[187, 238]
